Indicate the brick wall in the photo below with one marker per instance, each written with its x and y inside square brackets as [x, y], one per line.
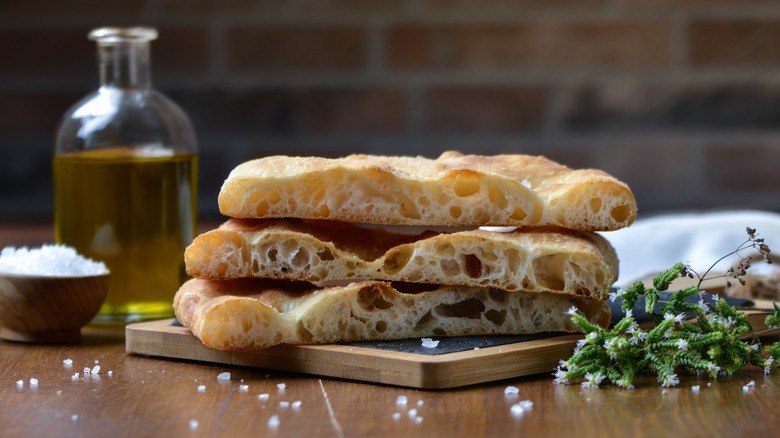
[679, 98]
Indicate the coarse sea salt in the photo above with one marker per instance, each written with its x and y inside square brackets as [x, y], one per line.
[429, 343]
[263, 397]
[511, 390]
[49, 261]
[201, 388]
[223, 376]
[273, 422]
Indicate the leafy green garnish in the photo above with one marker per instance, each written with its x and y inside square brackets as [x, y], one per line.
[696, 338]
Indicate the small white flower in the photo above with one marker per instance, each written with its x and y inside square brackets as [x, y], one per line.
[629, 313]
[592, 336]
[679, 318]
[754, 347]
[768, 364]
[560, 376]
[572, 311]
[682, 344]
[670, 380]
[668, 316]
[613, 296]
[702, 305]
[632, 328]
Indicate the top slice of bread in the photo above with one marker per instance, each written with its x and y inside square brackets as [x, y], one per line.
[452, 190]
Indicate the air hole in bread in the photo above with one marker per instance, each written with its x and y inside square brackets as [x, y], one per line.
[455, 212]
[325, 255]
[449, 267]
[519, 214]
[271, 254]
[497, 295]
[301, 258]
[595, 204]
[381, 326]
[370, 300]
[255, 267]
[548, 271]
[424, 321]
[621, 213]
[497, 197]
[497, 317]
[472, 265]
[409, 210]
[471, 309]
[304, 334]
[396, 260]
[466, 184]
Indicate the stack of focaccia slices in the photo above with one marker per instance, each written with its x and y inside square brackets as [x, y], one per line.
[359, 248]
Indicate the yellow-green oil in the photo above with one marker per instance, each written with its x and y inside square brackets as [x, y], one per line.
[137, 213]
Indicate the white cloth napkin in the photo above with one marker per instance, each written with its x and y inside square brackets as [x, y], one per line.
[652, 245]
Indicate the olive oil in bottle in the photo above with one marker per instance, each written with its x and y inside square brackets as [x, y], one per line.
[125, 180]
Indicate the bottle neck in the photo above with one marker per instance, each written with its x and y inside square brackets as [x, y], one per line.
[125, 65]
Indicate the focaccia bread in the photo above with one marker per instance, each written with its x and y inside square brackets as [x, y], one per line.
[532, 260]
[452, 190]
[250, 314]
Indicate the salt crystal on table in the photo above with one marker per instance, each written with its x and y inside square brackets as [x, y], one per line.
[273, 422]
[420, 403]
[296, 405]
[33, 382]
[281, 386]
[110, 373]
[396, 416]
[263, 397]
[511, 390]
[74, 417]
[243, 388]
[95, 370]
[20, 383]
[429, 343]
[67, 362]
[401, 400]
[284, 404]
[48, 260]
[418, 420]
[521, 407]
[201, 388]
[695, 388]
[194, 424]
[412, 413]
[223, 376]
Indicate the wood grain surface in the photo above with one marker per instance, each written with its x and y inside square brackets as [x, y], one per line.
[154, 397]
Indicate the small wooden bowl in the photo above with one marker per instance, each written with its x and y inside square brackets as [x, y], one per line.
[46, 309]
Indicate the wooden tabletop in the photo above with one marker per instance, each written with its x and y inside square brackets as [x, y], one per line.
[140, 396]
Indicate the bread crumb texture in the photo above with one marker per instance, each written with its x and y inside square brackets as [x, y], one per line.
[531, 260]
[452, 190]
[249, 314]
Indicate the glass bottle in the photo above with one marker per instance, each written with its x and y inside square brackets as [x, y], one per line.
[125, 180]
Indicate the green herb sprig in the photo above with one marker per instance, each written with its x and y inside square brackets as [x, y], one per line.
[711, 346]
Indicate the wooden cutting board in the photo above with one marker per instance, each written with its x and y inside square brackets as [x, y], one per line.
[484, 359]
[453, 363]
